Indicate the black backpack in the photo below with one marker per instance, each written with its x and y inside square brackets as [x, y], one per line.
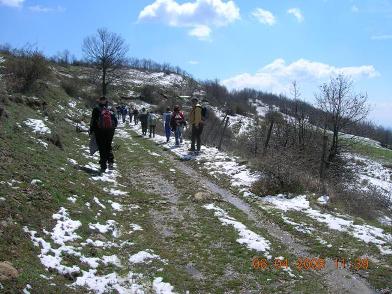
[204, 113]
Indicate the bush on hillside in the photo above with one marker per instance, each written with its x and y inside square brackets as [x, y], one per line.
[368, 204]
[72, 87]
[24, 68]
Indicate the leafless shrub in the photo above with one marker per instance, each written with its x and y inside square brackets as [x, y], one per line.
[368, 204]
[24, 68]
[72, 87]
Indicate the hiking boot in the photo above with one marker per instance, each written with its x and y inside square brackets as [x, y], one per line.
[102, 170]
[111, 167]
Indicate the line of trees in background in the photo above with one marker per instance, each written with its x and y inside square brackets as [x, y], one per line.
[32, 65]
[239, 102]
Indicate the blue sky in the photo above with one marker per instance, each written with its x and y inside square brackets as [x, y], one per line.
[247, 43]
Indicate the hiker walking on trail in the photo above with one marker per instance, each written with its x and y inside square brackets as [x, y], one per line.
[124, 112]
[131, 109]
[102, 126]
[118, 109]
[143, 117]
[152, 123]
[136, 116]
[178, 123]
[166, 123]
[196, 122]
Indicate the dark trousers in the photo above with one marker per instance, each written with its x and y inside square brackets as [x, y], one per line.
[130, 118]
[104, 141]
[152, 131]
[168, 132]
[196, 134]
[144, 128]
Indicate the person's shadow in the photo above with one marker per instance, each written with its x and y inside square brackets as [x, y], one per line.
[88, 170]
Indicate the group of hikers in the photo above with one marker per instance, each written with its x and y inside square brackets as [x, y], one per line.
[104, 121]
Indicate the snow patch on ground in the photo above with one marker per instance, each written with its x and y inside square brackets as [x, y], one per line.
[100, 244]
[239, 124]
[109, 177]
[110, 226]
[161, 287]
[111, 259]
[37, 125]
[116, 206]
[115, 192]
[72, 199]
[247, 237]
[385, 220]
[323, 200]
[108, 283]
[64, 230]
[154, 154]
[370, 173]
[136, 227]
[27, 289]
[72, 161]
[96, 200]
[144, 256]
[35, 182]
[342, 223]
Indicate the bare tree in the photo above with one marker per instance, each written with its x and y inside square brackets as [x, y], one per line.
[299, 114]
[271, 118]
[342, 108]
[107, 51]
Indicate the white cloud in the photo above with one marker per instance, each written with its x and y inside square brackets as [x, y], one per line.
[297, 14]
[193, 62]
[354, 8]
[277, 76]
[201, 32]
[12, 3]
[44, 9]
[200, 15]
[382, 37]
[264, 16]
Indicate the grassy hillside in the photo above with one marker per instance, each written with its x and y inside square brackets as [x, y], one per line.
[67, 229]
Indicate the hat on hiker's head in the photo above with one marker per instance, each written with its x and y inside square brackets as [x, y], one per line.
[194, 99]
[176, 108]
[102, 100]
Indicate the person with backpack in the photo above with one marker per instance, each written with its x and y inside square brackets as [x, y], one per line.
[143, 117]
[177, 124]
[166, 123]
[204, 111]
[196, 122]
[136, 116]
[152, 123]
[102, 125]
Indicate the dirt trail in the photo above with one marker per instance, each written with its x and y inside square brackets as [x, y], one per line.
[339, 280]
